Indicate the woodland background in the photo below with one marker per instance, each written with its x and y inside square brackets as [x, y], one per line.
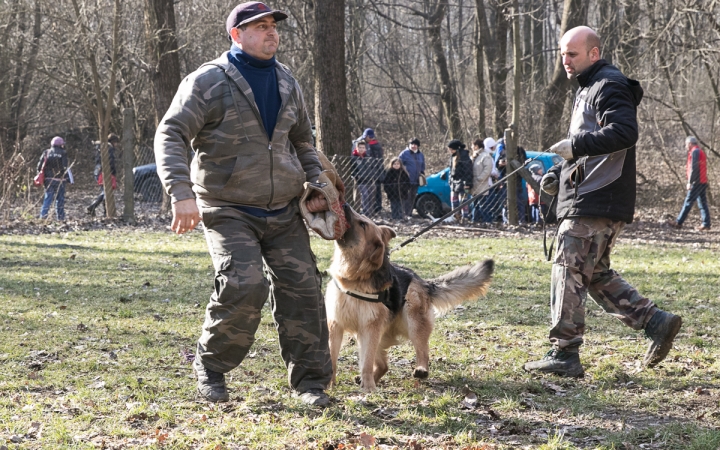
[434, 69]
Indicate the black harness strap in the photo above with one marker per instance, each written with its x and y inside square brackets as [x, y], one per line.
[380, 297]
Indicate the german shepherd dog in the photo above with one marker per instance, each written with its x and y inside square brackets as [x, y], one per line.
[380, 302]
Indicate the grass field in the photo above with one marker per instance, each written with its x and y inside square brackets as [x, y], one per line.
[97, 328]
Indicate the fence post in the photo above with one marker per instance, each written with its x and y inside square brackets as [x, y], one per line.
[128, 139]
[511, 183]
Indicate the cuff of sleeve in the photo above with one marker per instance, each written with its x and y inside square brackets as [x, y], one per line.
[575, 151]
[313, 175]
[181, 191]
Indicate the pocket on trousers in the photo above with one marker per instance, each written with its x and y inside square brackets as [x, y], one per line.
[222, 262]
[574, 242]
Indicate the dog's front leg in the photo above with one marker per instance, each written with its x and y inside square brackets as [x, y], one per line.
[336, 333]
[368, 341]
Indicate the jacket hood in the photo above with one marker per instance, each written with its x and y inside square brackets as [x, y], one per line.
[593, 72]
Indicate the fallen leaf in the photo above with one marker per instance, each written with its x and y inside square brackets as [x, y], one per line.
[367, 440]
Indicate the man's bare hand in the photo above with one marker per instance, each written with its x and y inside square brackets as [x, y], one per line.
[316, 202]
[186, 216]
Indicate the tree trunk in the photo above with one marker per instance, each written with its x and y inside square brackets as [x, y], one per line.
[480, 69]
[25, 72]
[538, 59]
[162, 53]
[447, 92]
[355, 51]
[331, 112]
[517, 67]
[574, 14]
[103, 102]
[128, 140]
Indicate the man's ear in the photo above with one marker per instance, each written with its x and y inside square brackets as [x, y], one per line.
[235, 35]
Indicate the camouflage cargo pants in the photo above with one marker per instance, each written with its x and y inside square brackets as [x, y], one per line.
[581, 267]
[240, 246]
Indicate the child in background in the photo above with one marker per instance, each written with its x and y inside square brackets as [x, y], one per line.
[397, 187]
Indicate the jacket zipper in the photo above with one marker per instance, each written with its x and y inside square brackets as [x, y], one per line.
[272, 182]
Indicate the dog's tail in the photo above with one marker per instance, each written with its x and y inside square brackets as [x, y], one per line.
[462, 284]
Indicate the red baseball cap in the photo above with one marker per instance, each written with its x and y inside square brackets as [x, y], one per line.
[250, 11]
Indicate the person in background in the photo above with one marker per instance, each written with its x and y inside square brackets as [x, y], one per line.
[461, 176]
[375, 150]
[496, 197]
[696, 185]
[521, 194]
[538, 209]
[397, 187]
[366, 171]
[54, 166]
[482, 180]
[113, 140]
[414, 161]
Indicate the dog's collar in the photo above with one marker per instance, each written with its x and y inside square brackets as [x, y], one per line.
[374, 298]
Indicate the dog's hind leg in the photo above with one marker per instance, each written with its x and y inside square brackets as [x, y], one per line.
[381, 365]
[420, 327]
[335, 342]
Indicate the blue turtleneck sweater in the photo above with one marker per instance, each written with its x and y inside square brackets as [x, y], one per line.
[260, 75]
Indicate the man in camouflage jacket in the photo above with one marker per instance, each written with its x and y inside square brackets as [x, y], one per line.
[595, 188]
[245, 118]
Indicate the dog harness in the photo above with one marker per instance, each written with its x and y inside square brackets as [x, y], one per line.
[374, 298]
[393, 297]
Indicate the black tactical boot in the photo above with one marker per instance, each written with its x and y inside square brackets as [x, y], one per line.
[559, 362]
[662, 329]
[315, 397]
[211, 384]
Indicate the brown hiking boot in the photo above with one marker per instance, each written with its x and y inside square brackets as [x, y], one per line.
[672, 223]
[662, 329]
[703, 228]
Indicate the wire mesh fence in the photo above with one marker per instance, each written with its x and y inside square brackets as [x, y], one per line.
[386, 197]
[377, 190]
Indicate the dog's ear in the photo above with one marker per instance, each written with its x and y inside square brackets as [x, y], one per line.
[387, 233]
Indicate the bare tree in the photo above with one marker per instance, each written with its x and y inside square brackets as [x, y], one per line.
[100, 101]
[331, 112]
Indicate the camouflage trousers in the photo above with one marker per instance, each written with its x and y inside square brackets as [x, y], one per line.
[581, 267]
[254, 257]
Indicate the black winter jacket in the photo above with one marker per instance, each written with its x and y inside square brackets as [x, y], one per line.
[397, 184]
[600, 180]
[461, 173]
[56, 165]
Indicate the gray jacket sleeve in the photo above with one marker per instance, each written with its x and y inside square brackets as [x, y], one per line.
[300, 136]
[181, 123]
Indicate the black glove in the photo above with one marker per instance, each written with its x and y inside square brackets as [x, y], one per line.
[550, 183]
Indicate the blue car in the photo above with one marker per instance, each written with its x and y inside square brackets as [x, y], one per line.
[434, 198]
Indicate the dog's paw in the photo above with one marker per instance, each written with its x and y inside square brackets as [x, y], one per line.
[420, 373]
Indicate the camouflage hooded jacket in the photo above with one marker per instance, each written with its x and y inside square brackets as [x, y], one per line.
[235, 162]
